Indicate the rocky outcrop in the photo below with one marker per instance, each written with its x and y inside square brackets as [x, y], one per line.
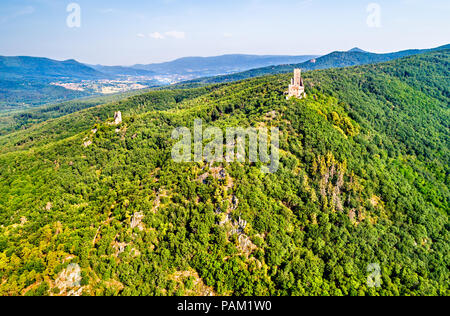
[119, 247]
[87, 143]
[69, 281]
[136, 221]
[117, 118]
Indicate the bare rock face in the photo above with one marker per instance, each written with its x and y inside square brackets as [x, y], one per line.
[117, 118]
[69, 280]
[87, 143]
[246, 245]
[235, 202]
[136, 221]
[119, 248]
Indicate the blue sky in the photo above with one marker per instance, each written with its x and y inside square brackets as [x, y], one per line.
[127, 32]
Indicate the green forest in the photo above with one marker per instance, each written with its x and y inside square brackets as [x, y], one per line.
[363, 180]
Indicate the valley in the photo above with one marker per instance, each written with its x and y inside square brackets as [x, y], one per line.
[102, 86]
[32, 81]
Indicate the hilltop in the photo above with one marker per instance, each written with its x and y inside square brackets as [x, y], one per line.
[357, 50]
[24, 67]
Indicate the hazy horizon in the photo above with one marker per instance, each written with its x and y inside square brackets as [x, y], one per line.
[117, 33]
[212, 56]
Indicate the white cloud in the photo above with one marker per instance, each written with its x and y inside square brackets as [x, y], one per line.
[170, 34]
[156, 35]
[25, 11]
[140, 35]
[108, 10]
[18, 13]
[227, 35]
[176, 34]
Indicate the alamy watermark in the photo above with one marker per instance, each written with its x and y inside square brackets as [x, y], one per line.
[74, 18]
[212, 145]
[374, 18]
[374, 277]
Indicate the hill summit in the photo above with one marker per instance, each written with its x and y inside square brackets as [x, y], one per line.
[357, 50]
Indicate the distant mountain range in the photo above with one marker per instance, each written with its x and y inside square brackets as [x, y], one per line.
[24, 67]
[353, 57]
[211, 66]
[122, 71]
[194, 67]
[27, 80]
[231, 66]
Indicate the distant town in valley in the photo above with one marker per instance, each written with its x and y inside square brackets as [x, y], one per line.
[101, 86]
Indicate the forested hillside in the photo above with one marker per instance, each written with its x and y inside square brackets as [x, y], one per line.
[19, 93]
[24, 67]
[14, 120]
[62, 127]
[363, 180]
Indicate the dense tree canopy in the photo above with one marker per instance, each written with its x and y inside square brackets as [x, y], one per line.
[363, 180]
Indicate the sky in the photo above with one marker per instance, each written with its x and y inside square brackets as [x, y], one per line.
[127, 32]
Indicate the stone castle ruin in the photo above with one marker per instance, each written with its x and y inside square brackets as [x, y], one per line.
[297, 87]
[117, 118]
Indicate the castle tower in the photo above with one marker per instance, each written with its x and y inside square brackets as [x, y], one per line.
[297, 77]
[296, 88]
